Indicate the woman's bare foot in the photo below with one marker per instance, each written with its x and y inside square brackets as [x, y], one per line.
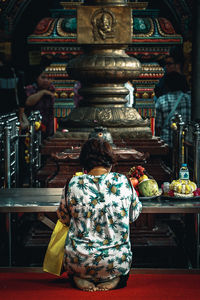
[84, 284]
[108, 285]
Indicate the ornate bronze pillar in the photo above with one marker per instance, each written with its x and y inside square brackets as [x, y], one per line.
[104, 29]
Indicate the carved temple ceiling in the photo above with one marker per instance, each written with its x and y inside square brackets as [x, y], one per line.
[12, 11]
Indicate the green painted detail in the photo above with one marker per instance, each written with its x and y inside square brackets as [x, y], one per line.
[141, 25]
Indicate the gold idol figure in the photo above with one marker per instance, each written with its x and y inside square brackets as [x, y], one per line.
[103, 22]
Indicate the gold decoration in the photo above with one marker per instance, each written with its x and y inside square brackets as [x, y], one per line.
[137, 95]
[174, 126]
[98, 25]
[104, 115]
[138, 5]
[56, 68]
[145, 95]
[103, 22]
[71, 95]
[70, 4]
[63, 95]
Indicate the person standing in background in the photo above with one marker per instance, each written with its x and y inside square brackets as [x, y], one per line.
[40, 96]
[173, 62]
[176, 100]
[77, 96]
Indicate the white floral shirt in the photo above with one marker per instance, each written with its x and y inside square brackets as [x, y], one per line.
[100, 208]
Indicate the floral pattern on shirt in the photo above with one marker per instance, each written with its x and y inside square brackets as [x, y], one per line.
[100, 207]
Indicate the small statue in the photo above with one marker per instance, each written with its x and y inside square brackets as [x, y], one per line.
[103, 22]
[104, 25]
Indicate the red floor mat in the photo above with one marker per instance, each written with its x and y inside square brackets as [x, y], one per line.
[43, 286]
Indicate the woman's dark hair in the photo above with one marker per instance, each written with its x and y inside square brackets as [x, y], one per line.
[96, 152]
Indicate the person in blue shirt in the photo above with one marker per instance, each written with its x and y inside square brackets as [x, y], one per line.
[175, 87]
[173, 62]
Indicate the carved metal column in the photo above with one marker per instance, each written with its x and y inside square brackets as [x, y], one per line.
[104, 29]
[177, 154]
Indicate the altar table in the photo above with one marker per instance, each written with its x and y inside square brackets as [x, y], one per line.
[43, 200]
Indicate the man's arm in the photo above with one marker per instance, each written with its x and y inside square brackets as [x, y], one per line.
[35, 98]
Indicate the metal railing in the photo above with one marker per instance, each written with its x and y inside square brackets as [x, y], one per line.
[177, 151]
[35, 142]
[192, 149]
[33, 156]
[9, 150]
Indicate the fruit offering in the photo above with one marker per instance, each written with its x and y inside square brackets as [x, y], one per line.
[144, 186]
[148, 188]
[196, 193]
[137, 172]
[78, 173]
[134, 181]
[183, 188]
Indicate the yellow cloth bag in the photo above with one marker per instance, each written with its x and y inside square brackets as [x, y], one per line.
[55, 251]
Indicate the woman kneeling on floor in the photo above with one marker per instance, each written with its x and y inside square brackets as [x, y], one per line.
[98, 207]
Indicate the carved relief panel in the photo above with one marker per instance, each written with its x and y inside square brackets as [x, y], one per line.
[100, 25]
